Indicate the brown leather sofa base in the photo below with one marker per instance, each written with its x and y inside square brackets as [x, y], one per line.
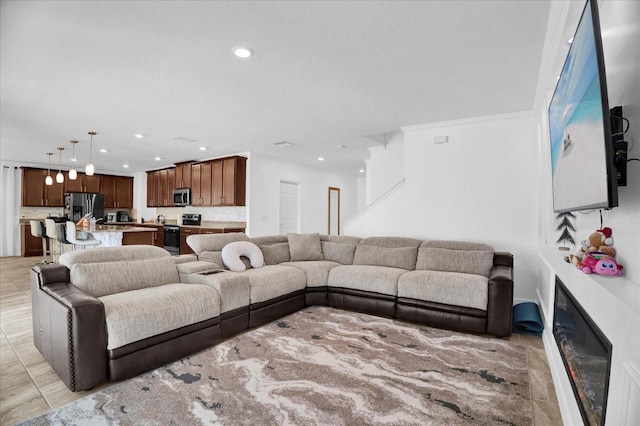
[68, 328]
[362, 301]
[316, 296]
[267, 311]
[234, 321]
[442, 316]
[177, 344]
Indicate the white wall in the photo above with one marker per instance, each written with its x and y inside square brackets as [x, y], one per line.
[480, 186]
[265, 174]
[385, 167]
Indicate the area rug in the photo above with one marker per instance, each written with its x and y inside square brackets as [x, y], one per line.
[323, 366]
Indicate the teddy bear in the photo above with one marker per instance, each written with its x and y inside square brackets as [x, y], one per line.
[600, 241]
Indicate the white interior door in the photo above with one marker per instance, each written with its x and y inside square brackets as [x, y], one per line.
[288, 207]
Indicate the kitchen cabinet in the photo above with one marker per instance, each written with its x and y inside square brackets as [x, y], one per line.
[158, 232]
[201, 183]
[160, 186]
[184, 233]
[35, 193]
[152, 195]
[30, 245]
[118, 191]
[183, 175]
[229, 181]
[83, 183]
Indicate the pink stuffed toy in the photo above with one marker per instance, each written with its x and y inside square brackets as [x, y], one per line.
[600, 263]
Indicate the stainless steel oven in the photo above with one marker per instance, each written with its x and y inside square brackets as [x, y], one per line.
[172, 239]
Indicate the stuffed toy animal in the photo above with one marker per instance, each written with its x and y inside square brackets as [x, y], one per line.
[600, 241]
[600, 263]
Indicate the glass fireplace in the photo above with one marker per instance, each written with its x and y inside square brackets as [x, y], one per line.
[586, 354]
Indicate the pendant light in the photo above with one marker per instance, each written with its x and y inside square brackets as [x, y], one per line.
[89, 168]
[73, 173]
[60, 176]
[49, 180]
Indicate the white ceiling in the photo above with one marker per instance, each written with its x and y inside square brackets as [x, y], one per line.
[323, 74]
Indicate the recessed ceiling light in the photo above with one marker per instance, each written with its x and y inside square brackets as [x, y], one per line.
[361, 170]
[203, 148]
[139, 135]
[341, 146]
[320, 158]
[157, 158]
[103, 150]
[74, 159]
[242, 52]
[126, 166]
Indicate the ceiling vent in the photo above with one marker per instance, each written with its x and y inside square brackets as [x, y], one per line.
[183, 139]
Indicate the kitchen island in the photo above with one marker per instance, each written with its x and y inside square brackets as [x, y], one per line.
[121, 235]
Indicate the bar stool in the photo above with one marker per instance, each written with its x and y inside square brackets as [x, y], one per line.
[61, 236]
[50, 232]
[37, 230]
[90, 241]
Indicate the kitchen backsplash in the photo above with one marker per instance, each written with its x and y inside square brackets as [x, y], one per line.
[213, 214]
[40, 212]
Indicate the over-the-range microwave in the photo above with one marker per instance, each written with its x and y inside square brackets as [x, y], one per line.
[181, 197]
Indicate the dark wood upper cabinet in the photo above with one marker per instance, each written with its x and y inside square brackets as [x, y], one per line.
[201, 183]
[229, 181]
[183, 175]
[220, 182]
[118, 191]
[83, 183]
[35, 193]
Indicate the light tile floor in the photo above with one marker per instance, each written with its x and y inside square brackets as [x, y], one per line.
[29, 387]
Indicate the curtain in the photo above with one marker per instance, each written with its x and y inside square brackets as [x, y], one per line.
[10, 211]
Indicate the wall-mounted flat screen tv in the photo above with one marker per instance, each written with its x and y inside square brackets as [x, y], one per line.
[582, 163]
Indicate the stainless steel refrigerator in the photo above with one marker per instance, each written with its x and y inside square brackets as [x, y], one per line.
[79, 204]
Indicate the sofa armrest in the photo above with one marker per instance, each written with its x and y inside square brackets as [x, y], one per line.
[69, 328]
[500, 302]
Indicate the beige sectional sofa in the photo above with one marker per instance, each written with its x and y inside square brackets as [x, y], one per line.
[110, 313]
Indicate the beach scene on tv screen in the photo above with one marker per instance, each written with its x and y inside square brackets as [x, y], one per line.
[576, 128]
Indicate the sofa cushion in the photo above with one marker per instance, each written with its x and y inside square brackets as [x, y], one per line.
[200, 243]
[147, 312]
[393, 252]
[103, 278]
[274, 281]
[377, 279]
[455, 256]
[275, 248]
[113, 254]
[304, 247]
[450, 288]
[275, 253]
[339, 248]
[231, 255]
[316, 271]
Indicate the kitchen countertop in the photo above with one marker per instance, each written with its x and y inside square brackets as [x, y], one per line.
[205, 224]
[141, 226]
[110, 228]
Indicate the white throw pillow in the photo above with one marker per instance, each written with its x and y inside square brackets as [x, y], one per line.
[231, 255]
